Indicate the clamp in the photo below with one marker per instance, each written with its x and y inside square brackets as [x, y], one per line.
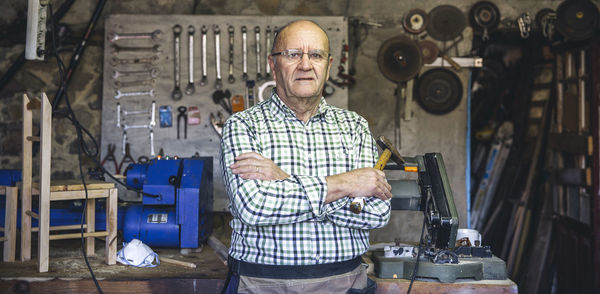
[182, 115]
[110, 156]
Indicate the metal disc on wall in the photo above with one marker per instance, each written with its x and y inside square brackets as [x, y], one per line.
[429, 50]
[577, 19]
[438, 91]
[399, 59]
[446, 22]
[415, 21]
[484, 15]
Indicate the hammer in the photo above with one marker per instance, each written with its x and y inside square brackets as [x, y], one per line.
[389, 151]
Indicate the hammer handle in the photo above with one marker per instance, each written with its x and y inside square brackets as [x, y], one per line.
[383, 159]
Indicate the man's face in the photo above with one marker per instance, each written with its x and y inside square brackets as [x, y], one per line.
[304, 78]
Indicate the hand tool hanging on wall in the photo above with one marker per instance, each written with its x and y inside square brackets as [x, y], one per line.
[154, 36]
[152, 143]
[221, 97]
[258, 70]
[127, 158]
[244, 53]
[130, 84]
[176, 94]
[151, 72]
[231, 31]
[156, 49]
[145, 60]
[110, 156]
[190, 89]
[438, 91]
[545, 19]
[250, 93]
[217, 123]
[400, 60]
[267, 52]
[119, 94]
[203, 31]
[182, 116]
[484, 15]
[219, 82]
[524, 22]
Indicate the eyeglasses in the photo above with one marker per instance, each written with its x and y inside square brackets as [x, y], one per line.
[295, 55]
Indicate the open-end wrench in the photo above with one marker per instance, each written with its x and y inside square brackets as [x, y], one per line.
[203, 30]
[118, 49]
[145, 60]
[124, 142]
[129, 84]
[118, 115]
[127, 127]
[219, 82]
[244, 54]
[155, 36]
[153, 72]
[119, 94]
[176, 95]
[231, 30]
[190, 89]
[258, 71]
[267, 52]
[153, 115]
[152, 143]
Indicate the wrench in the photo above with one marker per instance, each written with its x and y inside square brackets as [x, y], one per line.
[231, 78]
[217, 31]
[147, 60]
[124, 142]
[244, 54]
[119, 84]
[176, 95]
[155, 36]
[258, 74]
[203, 30]
[118, 115]
[190, 89]
[153, 116]
[127, 127]
[154, 49]
[153, 72]
[267, 48]
[152, 143]
[120, 94]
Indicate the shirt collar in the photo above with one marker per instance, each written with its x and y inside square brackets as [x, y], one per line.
[282, 111]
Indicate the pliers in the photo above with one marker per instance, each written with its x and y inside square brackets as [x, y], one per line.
[110, 156]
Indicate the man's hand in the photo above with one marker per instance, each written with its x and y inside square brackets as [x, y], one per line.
[253, 166]
[366, 181]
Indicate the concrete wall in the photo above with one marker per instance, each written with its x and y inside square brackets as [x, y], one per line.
[372, 96]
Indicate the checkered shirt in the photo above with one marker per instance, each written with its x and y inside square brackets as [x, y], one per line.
[286, 222]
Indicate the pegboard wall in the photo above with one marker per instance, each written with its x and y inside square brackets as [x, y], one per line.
[140, 71]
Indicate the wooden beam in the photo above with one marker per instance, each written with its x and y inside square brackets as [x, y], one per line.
[78, 235]
[26, 159]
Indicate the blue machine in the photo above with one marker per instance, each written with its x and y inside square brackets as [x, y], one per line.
[180, 214]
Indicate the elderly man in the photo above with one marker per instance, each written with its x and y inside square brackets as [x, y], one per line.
[292, 165]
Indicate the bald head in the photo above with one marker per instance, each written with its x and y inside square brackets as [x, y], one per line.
[289, 29]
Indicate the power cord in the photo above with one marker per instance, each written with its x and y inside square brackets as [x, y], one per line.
[421, 243]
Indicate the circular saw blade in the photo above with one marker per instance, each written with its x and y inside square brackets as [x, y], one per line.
[446, 22]
[399, 59]
[438, 91]
[415, 21]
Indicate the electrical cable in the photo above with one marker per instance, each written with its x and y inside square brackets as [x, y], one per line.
[421, 243]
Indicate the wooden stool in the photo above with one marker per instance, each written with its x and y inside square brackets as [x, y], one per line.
[10, 222]
[59, 191]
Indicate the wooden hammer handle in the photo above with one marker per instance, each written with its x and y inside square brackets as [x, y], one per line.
[383, 159]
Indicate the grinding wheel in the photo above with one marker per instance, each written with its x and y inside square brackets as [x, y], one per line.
[577, 19]
[446, 22]
[438, 91]
[429, 50]
[484, 15]
[415, 21]
[399, 59]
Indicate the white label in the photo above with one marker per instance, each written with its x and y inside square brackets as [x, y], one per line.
[157, 218]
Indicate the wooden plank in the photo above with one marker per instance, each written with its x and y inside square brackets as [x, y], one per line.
[110, 250]
[177, 262]
[26, 182]
[76, 185]
[10, 224]
[62, 228]
[72, 195]
[45, 168]
[78, 235]
[90, 219]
